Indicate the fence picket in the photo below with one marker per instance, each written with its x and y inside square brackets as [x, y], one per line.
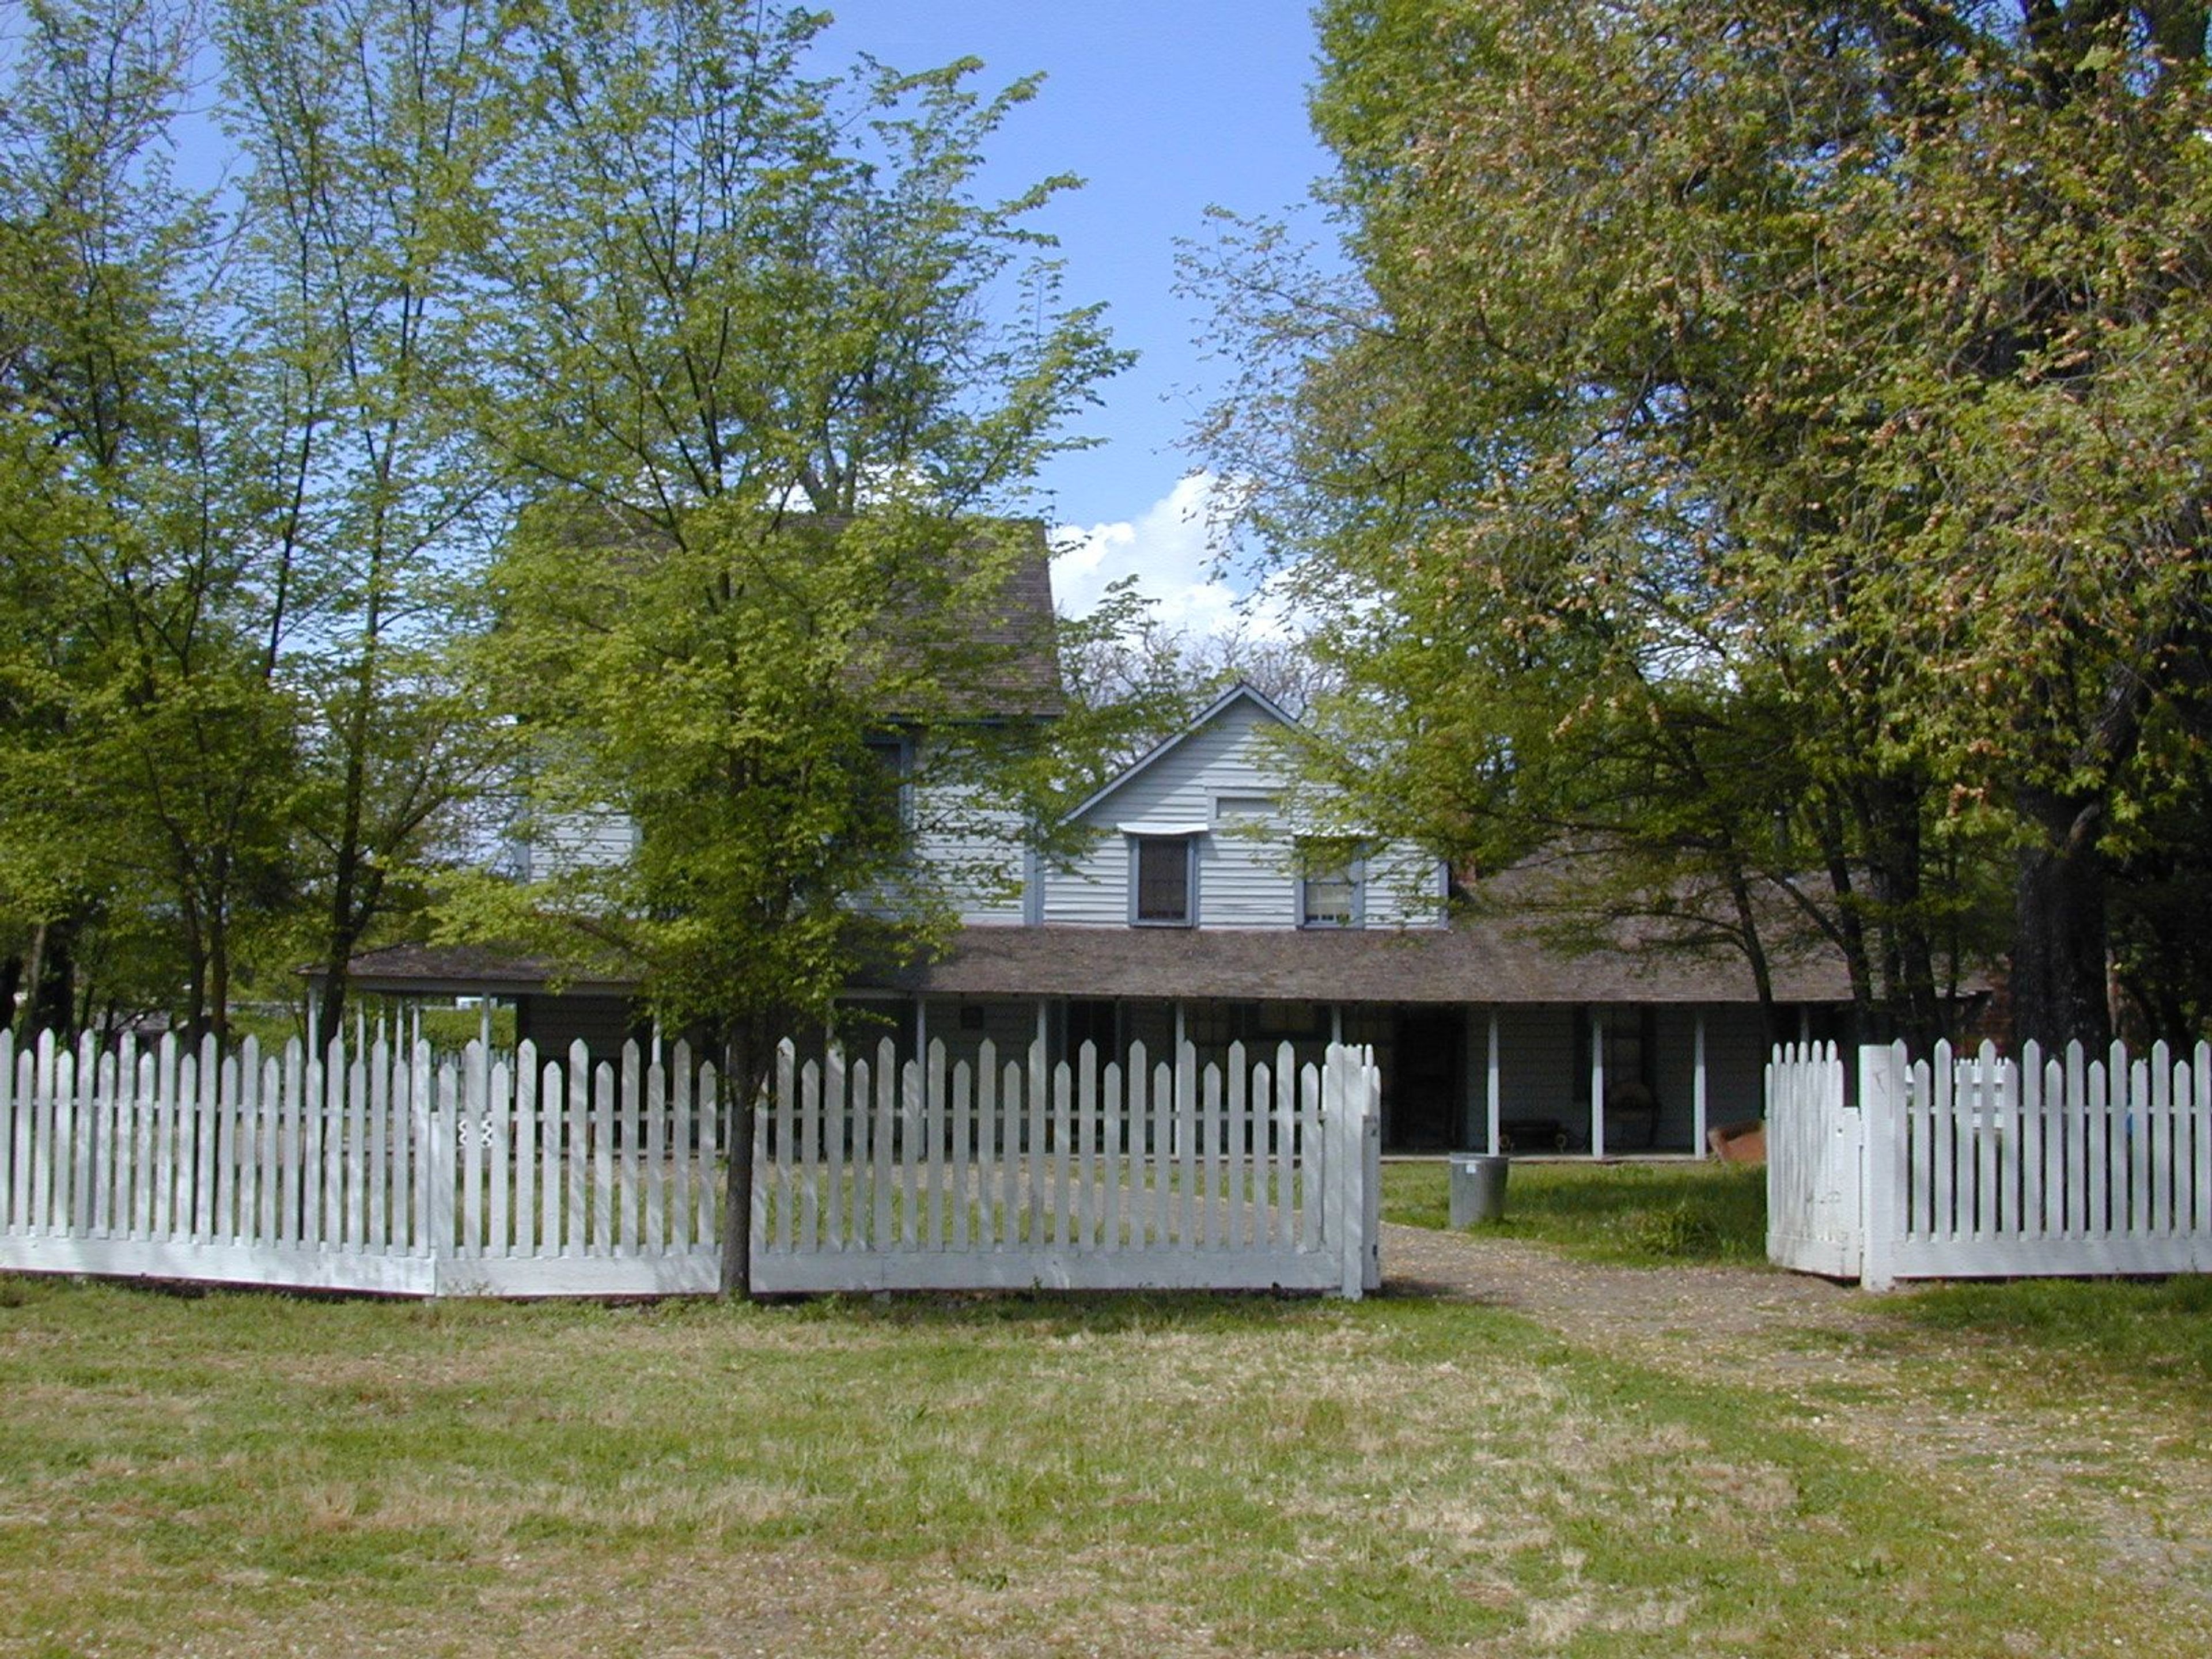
[499, 1130]
[837, 1117]
[910, 1139]
[986, 1144]
[1286, 1122]
[1080, 1219]
[933, 1118]
[1039, 1088]
[886, 1070]
[656, 1154]
[810, 1153]
[1010, 1161]
[962, 1153]
[623, 1233]
[526, 1151]
[469, 1127]
[683, 1135]
[1063, 1133]
[603, 1219]
[1113, 1130]
[1138, 1139]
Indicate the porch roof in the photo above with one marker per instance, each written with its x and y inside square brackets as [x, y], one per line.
[1478, 961]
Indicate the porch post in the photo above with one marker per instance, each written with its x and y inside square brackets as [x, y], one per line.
[921, 1030]
[1698, 1086]
[1185, 1077]
[1492, 1091]
[1335, 1022]
[1597, 1083]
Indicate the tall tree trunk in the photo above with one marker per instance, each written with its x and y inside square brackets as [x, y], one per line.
[740, 1078]
[2058, 962]
[51, 1004]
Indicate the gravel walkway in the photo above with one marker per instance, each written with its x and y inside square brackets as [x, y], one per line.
[2132, 1474]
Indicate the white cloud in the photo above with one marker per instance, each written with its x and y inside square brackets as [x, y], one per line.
[1165, 548]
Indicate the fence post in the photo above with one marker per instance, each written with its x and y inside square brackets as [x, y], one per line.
[436, 1117]
[1344, 1129]
[1371, 1163]
[1881, 1161]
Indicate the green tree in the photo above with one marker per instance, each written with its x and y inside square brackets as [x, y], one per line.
[736, 326]
[355, 121]
[148, 743]
[1767, 442]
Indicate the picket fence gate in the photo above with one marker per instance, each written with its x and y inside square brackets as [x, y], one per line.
[1251, 1175]
[1987, 1167]
[379, 1169]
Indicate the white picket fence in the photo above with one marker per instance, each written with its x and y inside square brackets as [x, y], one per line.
[1988, 1167]
[376, 1170]
[1255, 1174]
[512, 1175]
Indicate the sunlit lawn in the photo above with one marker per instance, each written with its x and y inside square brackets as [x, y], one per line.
[239, 1473]
[1643, 1214]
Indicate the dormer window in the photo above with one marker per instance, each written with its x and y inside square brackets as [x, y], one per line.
[1162, 880]
[1331, 883]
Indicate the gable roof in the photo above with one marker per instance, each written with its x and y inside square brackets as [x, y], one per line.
[1243, 691]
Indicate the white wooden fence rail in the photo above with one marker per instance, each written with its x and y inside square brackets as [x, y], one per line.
[1258, 1173]
[510, 1175]
[1992, 1168]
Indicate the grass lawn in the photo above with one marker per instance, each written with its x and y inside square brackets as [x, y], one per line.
[2153, 1336]
[242, 1473]
[1635, 1214]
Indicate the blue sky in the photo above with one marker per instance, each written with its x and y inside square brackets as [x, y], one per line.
[1163, 106]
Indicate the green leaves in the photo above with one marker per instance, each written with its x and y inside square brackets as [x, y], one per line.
[1775, 432]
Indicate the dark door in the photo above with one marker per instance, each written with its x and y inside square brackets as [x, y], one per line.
[1421, 1086]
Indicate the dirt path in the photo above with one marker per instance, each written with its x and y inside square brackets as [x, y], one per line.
[2128, 1473]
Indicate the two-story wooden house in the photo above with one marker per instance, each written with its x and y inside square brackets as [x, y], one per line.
[1200, 909]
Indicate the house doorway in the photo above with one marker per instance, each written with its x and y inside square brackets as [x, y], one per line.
[1420, 1091]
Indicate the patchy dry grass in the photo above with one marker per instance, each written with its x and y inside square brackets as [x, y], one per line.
[237, 1475]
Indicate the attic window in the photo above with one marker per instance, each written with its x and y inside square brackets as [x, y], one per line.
[1163, 881]
[1242, 809]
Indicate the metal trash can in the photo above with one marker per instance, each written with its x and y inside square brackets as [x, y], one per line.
[1478, 1188]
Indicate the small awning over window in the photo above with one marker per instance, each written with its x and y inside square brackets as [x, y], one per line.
[1178, 828]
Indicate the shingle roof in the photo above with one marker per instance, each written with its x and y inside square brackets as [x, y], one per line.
[1479, 961]
[469, 970]
[1482, 960]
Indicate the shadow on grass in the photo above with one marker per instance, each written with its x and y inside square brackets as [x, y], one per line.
[1637, 1214]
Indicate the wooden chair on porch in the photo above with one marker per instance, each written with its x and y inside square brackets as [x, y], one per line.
[1632, 1101]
